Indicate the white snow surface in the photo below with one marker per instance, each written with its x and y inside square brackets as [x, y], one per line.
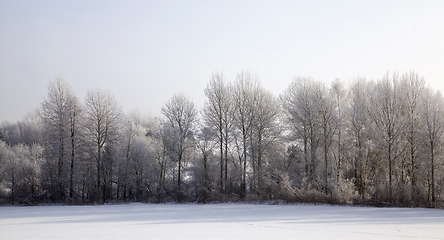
[219, 221]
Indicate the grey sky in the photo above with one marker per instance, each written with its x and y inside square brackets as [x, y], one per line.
[145, 51]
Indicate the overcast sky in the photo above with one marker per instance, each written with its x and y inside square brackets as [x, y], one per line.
[145, 51]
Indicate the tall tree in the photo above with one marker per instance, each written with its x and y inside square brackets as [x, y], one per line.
[386, 111]
[340, 97]
[413, 86]
[328, 123]
[181, 115]
[218, 120]
[133, 129]
[163, 140]
[103, 117]
[205, 146]
[60, 112]
[75, 136]
[243, 102]
[299, 105]
[432, 114]
[266, 127]
[358, 130]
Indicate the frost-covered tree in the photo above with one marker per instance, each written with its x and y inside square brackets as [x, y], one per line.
[413, 86]
[181, 115]
[135, 158]
[299, 104]
[266, 130]
[244, 98]
[22, 169]
[4, 159]
[217, 118]
[358, 132]
[340, 95]
[205, 145]
[328, 124]
[386, 111]
[27, 131]
[60, 112]
[432, 132]
[10, 133]
[163, 140]
[102, 121]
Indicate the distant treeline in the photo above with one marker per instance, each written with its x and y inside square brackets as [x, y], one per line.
[372, 142]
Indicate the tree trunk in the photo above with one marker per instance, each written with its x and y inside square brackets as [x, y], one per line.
[326, 162]
[221, 158]
[432, 151]
[390, 170]
[73, 145]
[179, 170]
[99, 183]
[71, 175]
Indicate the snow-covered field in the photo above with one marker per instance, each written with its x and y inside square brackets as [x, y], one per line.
[219, 221]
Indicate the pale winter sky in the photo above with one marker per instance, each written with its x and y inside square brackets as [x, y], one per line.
[145, 51]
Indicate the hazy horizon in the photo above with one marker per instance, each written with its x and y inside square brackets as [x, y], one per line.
[144, 52]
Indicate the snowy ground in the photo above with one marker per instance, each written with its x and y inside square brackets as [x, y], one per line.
[219, 221]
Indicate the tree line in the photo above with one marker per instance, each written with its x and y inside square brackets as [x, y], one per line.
[374, 142]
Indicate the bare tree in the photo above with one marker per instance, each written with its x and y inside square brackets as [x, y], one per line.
[266, 127]
[164, 141]
[340, 97]
[298, 103]
[75, 136]
[386, 111]
[133, 157]
[3, 158]
[205, 146]
[102, 121]
[181, 115]
[432, 114]
[162, 136]
[22, 165]
[244, 101]
[60, 112]
[217, 118]
[413, 87]
[328, 124]
[358, 131]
